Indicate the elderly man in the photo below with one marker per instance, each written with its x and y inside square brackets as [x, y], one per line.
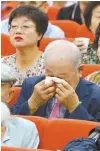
[15, 131]
[67, 97]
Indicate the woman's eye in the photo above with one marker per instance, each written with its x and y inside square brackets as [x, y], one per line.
[13, 26]
[26, 26]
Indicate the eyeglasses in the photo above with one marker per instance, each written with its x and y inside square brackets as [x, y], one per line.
[23, 27]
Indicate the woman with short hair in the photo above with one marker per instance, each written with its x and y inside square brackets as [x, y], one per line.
[27, 25]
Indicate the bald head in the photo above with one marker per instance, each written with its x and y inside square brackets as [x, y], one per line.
[62, 51]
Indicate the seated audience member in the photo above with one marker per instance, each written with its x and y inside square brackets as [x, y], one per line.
[52, 31]
[75, 97]
[74, 12]
[62, 4]
[27, 26]
[17, 132]
[92, 20]
[95, 77]
[8, 79]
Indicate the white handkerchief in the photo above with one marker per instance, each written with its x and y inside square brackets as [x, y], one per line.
[57, 80]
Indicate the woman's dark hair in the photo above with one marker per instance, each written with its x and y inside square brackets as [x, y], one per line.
[88, 12]
[97, 36]
[35, 14]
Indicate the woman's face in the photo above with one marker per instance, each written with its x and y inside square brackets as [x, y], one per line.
[95, 20]
[23, 32]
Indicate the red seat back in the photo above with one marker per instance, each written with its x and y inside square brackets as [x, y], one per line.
[68, 26]
[53, 12]
[90, 68]
[83, 31]
[6, 47]
[55, 134]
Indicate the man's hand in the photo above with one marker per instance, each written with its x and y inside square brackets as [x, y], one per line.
[67, 96]
[41, 94]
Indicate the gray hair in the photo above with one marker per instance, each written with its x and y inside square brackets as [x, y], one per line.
[74, 53]
[5, 114]
[8, 75]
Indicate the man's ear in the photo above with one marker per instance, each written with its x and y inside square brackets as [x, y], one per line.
[80, 69]
[11, 94]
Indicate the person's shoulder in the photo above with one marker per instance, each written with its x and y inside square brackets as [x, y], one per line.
[34, 80]
[93, 89]
[22, 123]
[8, 59]
[67, 9]
[56, 28]
[57, 31]
[5, 21]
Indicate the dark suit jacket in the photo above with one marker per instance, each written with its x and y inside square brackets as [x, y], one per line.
[66, 13]
[88, 93]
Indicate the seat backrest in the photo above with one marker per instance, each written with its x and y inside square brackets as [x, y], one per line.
[45, 41]
[53, 12]
[83, 31]
[8, 7]
[90, 68]
[5, 148]
[15, 97]
[68, 26]
[6, 47]
[55, 134]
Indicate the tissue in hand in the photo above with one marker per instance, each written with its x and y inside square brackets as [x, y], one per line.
[57, 80]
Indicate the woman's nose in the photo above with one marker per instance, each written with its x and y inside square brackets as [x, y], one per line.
[19, 29]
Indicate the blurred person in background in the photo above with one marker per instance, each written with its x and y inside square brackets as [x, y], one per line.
[53, 31]
[95, 77]
[27, 25]
[8, 79]
[17, 132]
[59, 4]
[74, 12]
[62, 4]
[92, 20]
[6, 8]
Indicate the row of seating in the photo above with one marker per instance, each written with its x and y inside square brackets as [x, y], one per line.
[55, 134]
[52, 11]
[8, 49]
[71, 29]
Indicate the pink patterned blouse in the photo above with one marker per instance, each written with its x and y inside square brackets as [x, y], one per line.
[36, 70]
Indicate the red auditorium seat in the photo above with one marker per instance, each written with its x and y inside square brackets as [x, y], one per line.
[68, 26]
[83, 31]
[6, 46]
[53, 12]
[90, 68]
[55, 134]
